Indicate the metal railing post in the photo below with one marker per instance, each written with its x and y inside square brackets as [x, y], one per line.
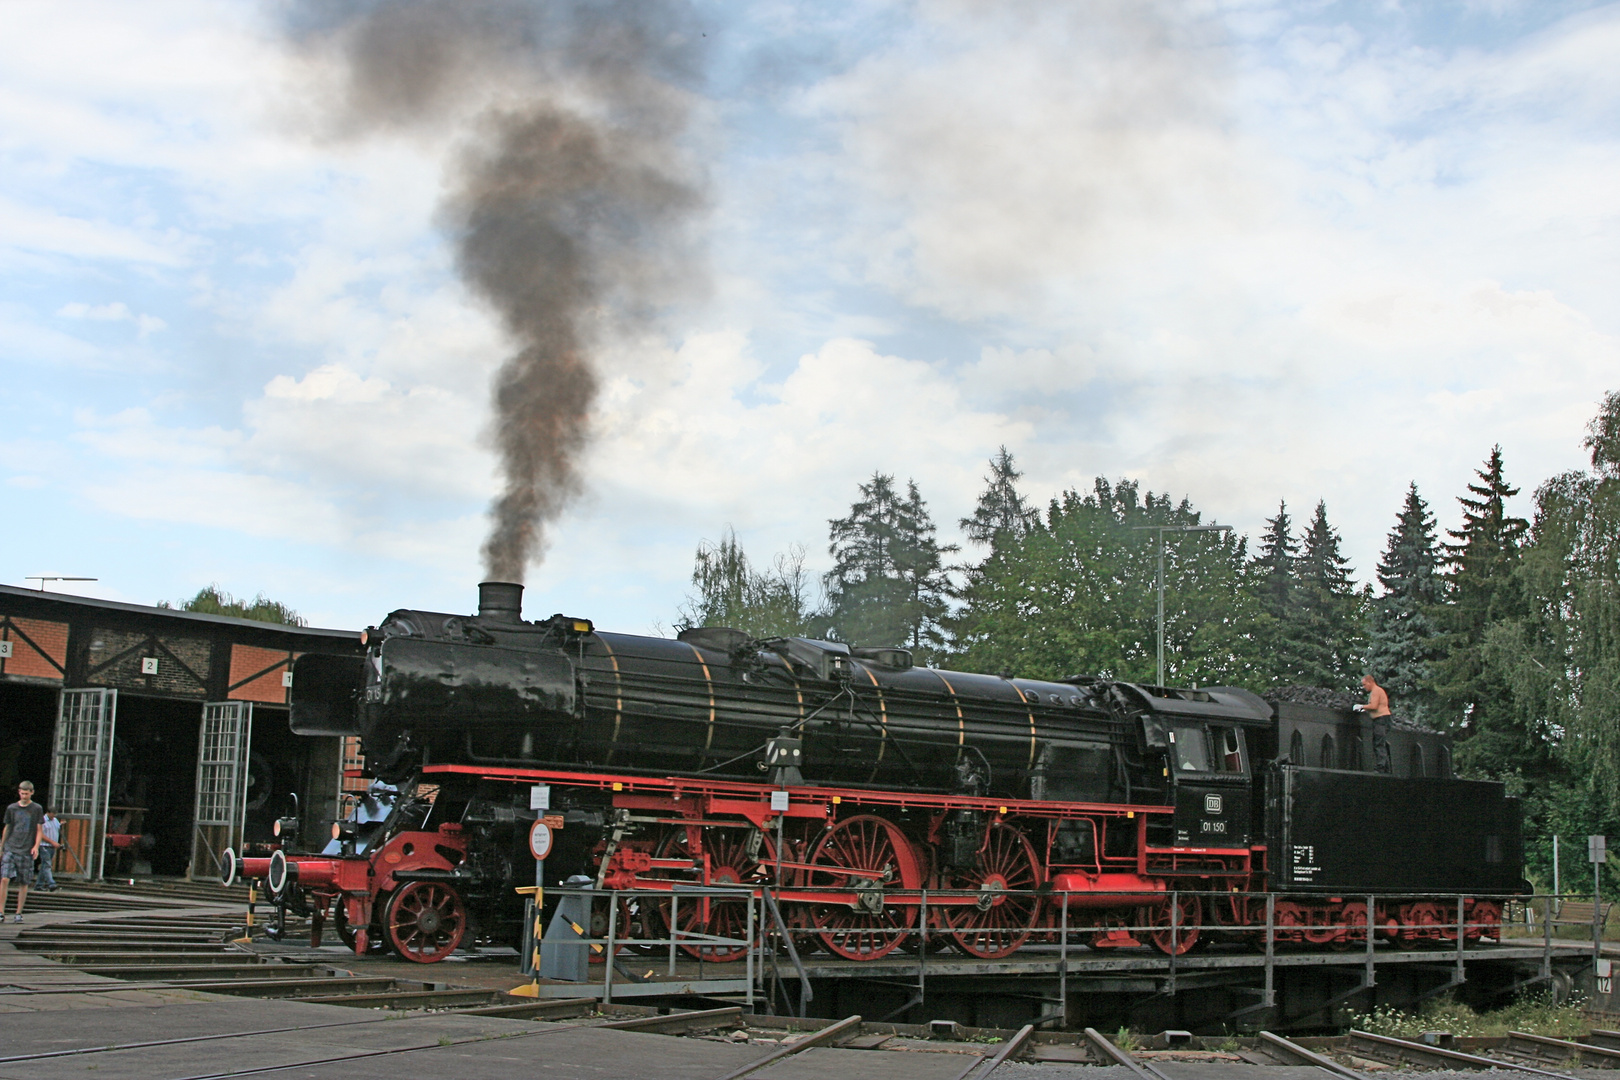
[607, 960]
[674, 927]
[751, 925]
[1175, 937]
[922, 952]
[1370, 978]
[1063, 962]
[1546, 937]
[1271, 949]
[1462, 940]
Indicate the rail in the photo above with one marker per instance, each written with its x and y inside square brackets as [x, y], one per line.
[1404, 1050]
[1110, 1052]
[1296, 1054]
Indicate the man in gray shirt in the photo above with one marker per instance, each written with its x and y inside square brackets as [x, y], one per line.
[19, 846]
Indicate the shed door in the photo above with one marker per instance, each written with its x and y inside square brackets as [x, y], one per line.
[80, 767]
[222, 754]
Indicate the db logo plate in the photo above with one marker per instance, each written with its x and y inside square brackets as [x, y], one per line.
[1212, 804]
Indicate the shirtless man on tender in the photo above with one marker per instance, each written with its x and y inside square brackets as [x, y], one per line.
[1377, 710]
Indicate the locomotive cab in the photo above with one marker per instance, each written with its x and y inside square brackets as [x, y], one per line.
[1209, 771]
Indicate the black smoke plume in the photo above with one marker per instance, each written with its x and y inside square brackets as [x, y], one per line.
[570, 198]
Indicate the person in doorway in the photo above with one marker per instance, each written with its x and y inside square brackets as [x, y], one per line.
[19, 846]
[50, 839]
[1376, 710]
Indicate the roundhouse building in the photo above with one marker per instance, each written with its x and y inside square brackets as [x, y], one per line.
[159, 737]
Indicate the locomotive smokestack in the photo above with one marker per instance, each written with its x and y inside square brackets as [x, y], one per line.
[500, 601]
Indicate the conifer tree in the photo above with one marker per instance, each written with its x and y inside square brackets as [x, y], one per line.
[1001, 511]
[1401, 627]
[1275, 573]
[1485, 590]
[1273, 580]
[1325, 621]
[888, 584]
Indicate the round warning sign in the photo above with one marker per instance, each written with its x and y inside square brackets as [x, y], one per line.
[540, 840]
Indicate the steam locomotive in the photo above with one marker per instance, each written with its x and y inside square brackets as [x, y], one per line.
[873, 797]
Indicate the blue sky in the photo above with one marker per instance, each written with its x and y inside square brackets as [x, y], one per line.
[1240, 251]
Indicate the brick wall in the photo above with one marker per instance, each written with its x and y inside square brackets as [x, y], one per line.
[259, 674]
[115, 656]
[38, 648]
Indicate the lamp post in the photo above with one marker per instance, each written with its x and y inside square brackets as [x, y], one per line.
[1161, 530]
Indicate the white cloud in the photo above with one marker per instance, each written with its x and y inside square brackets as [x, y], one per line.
[117, 311]
[1233, 251]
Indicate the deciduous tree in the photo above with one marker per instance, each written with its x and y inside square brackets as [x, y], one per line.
[730, 592]
[1075, 595]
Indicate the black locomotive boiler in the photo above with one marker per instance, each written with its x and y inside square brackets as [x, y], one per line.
[848, 781]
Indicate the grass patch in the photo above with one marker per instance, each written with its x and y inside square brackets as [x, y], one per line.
[1534, 1014]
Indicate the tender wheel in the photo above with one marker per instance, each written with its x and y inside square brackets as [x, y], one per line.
[869, 928]
[425, 921]
[729, 864]
[1000, 923]
[1486, 922]
[1353, 926]
[1189, 925]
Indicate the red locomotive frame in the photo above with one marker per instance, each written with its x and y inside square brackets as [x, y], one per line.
[854, 869]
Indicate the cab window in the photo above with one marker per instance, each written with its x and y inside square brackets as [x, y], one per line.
[1228, 749]
[1191, 748]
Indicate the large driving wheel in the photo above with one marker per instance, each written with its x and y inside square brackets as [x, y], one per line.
[1189, 922]
[1000, 923]
[729, 864]
[865, 855]
[425, 921]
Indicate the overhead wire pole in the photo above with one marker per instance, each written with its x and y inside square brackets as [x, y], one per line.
[1161, 530]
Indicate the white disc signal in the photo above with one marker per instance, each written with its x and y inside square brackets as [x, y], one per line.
[539, 840]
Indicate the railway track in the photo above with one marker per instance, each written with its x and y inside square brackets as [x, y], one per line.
[203, 950]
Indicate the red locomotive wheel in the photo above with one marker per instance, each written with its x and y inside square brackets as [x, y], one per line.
[1485, 921]
[729, 864]
[1189, 925]
[425, 921]
[1352, 924]
[1000, 923]
[869, 928]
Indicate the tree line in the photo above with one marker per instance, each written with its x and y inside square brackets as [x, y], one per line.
[1504, 632]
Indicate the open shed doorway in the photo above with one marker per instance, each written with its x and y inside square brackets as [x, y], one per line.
[152, 788]
[27, 719]
[278, 767]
